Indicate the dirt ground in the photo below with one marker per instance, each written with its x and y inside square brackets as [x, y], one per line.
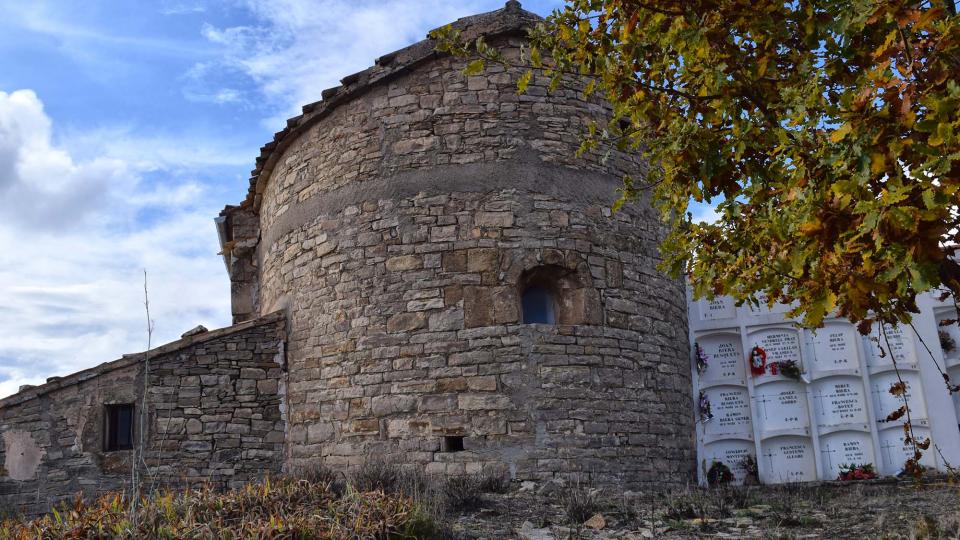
[871, 509]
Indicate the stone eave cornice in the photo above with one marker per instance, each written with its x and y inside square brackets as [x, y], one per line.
[508, 20]
[57, 383]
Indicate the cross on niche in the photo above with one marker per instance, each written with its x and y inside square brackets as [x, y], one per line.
[886, 446]
[819, 395]
[762, 403]
[827, 450]
[769, 455]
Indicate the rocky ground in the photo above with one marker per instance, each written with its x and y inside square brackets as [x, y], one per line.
[871, 509]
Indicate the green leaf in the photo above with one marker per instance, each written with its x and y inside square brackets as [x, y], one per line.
[475, 67]
[524, 81]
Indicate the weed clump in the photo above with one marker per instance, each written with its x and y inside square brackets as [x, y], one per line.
[287, 508]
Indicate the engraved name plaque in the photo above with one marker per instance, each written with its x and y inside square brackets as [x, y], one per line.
[894, 452]
[897, 344]
[838, 401]
[731, 411]
[886, 403]
[721, 307]
[787, 459]
[732, 453]
[845, 448]
[835, 348]
[781, 405]
[724, 358]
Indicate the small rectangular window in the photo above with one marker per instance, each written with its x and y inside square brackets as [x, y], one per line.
[452, 444]
[118, 428]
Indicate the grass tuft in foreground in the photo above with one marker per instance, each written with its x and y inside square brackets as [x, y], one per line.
[287, 508]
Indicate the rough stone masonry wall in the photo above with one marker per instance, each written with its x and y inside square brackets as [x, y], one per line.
[214, 415]
[396, 233]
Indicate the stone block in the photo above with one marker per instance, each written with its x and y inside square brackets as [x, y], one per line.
[454, 261]
[483, 384]
[481, 402]
[487, 306]
[448, 319]
[438, 403]
[406, 322]
[493, 219]
[253, 373]
[403, 263]
[392, 404]
[482, 260]
[268, 386]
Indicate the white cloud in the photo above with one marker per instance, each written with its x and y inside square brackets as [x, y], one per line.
[298, 48]
[75, 236]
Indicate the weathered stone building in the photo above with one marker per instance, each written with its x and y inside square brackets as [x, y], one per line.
[449, 289]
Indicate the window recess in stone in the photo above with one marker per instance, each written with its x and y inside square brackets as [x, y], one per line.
[452, 444]
[539, 306]
[118, 428]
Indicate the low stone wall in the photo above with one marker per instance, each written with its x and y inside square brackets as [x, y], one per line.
[213, 415]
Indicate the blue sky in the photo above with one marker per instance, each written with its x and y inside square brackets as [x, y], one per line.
[125, 126]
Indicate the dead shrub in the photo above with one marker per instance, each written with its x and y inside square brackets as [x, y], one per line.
[580, 503]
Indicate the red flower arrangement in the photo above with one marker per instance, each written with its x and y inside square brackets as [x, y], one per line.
[857, 472]
[758, 361]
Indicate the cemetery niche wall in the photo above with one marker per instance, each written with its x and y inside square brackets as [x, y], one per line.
[778, 403]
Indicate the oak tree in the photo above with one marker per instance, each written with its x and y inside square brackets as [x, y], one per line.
[825, 132]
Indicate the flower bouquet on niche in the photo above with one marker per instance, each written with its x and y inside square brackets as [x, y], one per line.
[856, 472]
[719, 474]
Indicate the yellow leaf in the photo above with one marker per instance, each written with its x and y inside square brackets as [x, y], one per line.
[840, 133]
[762, 66]
[811, 227]
[878, 162]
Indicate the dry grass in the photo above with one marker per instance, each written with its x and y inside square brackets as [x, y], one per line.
[284, 509]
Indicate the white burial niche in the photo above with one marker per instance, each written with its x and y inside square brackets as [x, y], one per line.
[949, 334]
[721, 307]
[781, 409]
[787, 459]
[835, 349]
[850, 448]
[894, 451]
[954, 372]
[839, 403]
[886, 403]
[737, 455]
[719, 359]
[774, 355]
[730, 409]
[889, 344]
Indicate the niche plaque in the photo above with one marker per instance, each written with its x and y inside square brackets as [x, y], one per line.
[721, 307]
[787, 459]
[897, 344]
[839, 401]
[730, 406]
[894, 451]
[780, 344]
[781, 405]
[886, 402]
[949, 334]
[835, 348]
[733, 453]
[845, 448]
[724, 358]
